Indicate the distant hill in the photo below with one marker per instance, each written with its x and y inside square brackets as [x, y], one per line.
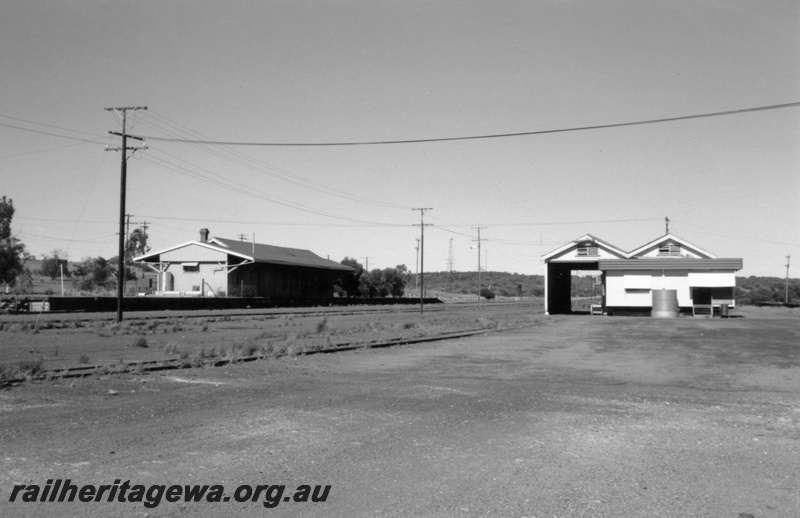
[502, 283]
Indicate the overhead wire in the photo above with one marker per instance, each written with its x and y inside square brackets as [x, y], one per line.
[485, 136]
[52, 134]
[247, 190]
[170, 127]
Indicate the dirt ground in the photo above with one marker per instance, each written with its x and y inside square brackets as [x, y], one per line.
[563, 416]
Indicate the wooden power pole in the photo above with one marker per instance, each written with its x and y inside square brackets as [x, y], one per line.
[123, 111]
[422, 257]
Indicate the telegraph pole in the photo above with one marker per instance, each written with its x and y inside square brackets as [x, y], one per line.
[123, 180]
[416, 270]
[479, 263]
[127, 239]
[786, 298]
[144, 226]
[450, 264]
[367, 260]
[422, 257]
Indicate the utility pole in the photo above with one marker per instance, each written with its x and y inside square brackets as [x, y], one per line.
[666, 220]
[367, 260]
[144, 226]
[422, 257]
[127, 240]
[123, 180]
[786, 298]
[479, 263]
[127, 226]
[416, 270]
[450, 264]
[242, 237]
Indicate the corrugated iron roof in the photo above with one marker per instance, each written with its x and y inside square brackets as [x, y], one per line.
[278, 255]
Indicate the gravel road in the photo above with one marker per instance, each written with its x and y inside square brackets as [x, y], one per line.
[572, 416]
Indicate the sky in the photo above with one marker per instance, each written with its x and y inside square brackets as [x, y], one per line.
[326, 71]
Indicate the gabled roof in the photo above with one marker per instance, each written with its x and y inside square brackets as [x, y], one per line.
[257, 253]
[670, 238]
[277, 254]
[154, 255]
[583, 239]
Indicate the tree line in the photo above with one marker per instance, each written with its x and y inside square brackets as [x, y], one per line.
[386, 282]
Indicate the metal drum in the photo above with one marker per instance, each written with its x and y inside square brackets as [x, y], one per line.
[665, 304]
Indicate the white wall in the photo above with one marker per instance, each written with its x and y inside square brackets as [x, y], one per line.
[634, 288]
[185, 281]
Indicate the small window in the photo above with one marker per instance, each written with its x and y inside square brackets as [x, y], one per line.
[587, 251]
[669, 249]
[191, 267]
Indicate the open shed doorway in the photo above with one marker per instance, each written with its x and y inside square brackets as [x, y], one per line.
[586, 290]
[573, 287]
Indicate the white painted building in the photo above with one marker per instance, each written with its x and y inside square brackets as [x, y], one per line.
[629, 278]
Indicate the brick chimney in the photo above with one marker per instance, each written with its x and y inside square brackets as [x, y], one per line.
[204, 235]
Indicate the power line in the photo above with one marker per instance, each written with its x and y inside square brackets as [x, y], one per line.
[50, 126]
[263, 167]
[51, 134]
[477, 137]
[244, 189]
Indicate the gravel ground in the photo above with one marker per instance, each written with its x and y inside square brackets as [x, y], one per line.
[572, 416]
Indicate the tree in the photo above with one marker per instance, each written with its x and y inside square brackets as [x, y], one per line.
[55, 264]
[350, 283]
[94, 273]
[136, 244]
[11, 249]
[395, 279]
[384, 283]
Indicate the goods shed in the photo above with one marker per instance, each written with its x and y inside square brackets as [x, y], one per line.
[220, 267]
[632, 280]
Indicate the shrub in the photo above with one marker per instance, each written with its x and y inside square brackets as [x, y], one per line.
[322, 325]
[140, 342]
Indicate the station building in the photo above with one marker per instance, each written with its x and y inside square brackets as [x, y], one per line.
[631, 280]
[227, 267]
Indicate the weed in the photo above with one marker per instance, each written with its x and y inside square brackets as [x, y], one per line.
[171, 348]
[83, 359]
[198, 359]
[322, 326]
[140, 342]
[265, 351]
[234, 353]
[249, 349]
[32, 367]
[278, 349]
